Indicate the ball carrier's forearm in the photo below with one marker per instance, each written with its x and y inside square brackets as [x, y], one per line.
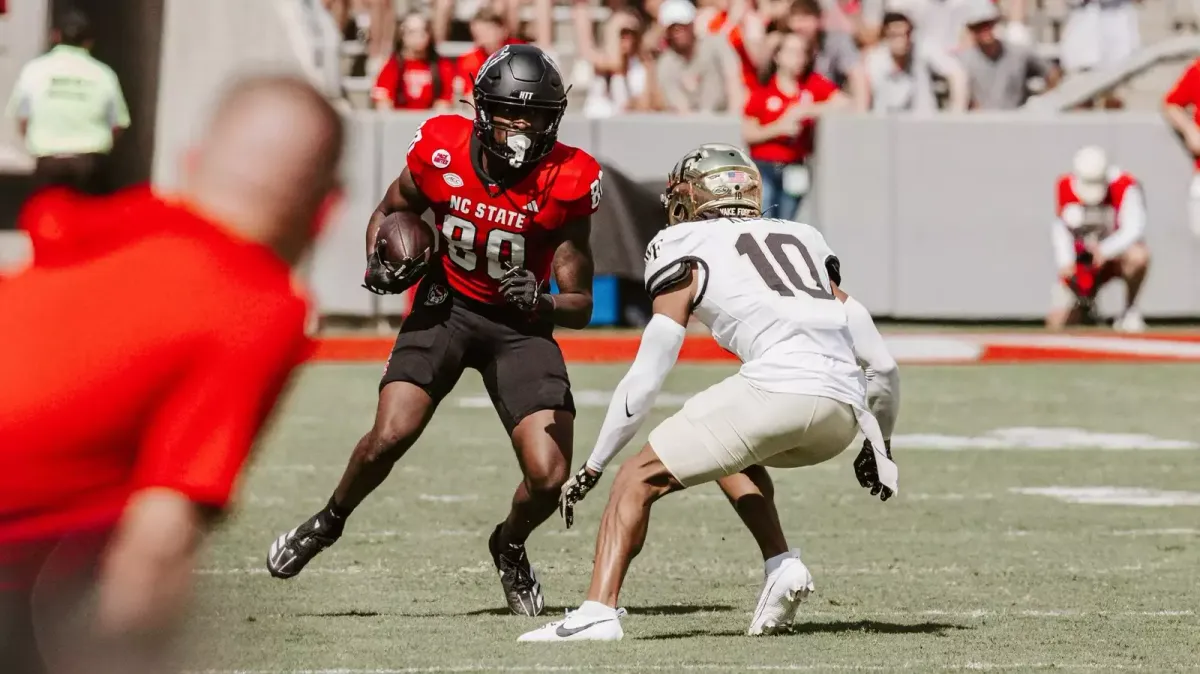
[573, 270]
[401, 195]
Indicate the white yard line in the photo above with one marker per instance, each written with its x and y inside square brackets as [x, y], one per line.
[705, 667]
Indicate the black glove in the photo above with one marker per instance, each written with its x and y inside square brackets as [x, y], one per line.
[521, 288]
[383, 278]
[867, 470]
[573, 492]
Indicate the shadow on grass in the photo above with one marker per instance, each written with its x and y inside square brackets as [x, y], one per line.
[554, 612]
[340, 614]
[832, 627]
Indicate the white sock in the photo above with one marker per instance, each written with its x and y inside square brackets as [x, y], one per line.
[595, 608]
[774, 563]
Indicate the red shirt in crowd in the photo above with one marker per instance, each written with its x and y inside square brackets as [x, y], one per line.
[150, 364]
[1186, 94]
[416, 91]
[738, 42]
[470, 63]
[767, 104]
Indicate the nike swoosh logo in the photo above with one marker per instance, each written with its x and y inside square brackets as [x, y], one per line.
[565, 632]
[628, 414]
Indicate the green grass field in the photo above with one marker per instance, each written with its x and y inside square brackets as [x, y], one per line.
[959, 572]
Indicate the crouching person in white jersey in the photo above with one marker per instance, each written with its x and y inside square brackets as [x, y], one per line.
[799, 399]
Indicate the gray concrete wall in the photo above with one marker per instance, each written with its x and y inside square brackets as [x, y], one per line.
[945, 217]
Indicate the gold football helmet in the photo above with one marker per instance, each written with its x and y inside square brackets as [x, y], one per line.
[714, 180]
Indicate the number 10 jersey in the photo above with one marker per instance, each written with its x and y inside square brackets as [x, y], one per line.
[764, 291]
[484, 228]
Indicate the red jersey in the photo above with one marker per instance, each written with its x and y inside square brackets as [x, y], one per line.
[1186, 94]
[767, 104]
[175, 348]
[1101, 219]
[519, 226]
[412, 88]
[470, 63]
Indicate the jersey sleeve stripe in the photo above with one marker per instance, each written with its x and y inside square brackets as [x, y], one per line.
[674, 272]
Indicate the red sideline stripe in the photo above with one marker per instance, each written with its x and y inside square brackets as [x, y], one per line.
[702, 349]
[599, 349]
[1039, 354]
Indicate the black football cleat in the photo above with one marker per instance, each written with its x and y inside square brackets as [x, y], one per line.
[292, 551]
[522, 590]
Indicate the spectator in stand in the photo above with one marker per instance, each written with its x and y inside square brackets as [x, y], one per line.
[371, 22]
[999, 72]
[901, 72]
[1098, 34]
[836, 57]
[415, 77]
[780, 120]
[541, 31]
[1182, 110]
[489, 32]
[622, 76]
[696, 74]
[938, 25]
[737, 22]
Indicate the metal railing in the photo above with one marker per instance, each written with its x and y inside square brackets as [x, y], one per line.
[1084, 87]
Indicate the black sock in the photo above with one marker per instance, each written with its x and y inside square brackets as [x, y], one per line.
[336, 510]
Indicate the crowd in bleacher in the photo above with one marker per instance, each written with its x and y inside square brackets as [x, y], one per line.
[682, 56]
[779, 64]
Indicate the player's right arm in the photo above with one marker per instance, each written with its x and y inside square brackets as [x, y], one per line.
[401, 195]
[883, 375]
[1176, 108]
[632, 400]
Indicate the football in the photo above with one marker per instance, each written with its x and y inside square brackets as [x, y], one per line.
[403, 237]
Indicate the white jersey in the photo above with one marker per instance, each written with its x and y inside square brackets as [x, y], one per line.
[764, 291]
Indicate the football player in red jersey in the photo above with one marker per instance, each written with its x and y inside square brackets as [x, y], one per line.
[513, 206]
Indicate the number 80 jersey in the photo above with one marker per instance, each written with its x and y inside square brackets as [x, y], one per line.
[764, 291]
[485, 229]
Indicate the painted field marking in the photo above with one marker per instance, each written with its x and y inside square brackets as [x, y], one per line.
[709, 667]
[1127, 496]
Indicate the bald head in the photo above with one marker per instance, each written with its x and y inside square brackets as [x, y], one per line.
[267, 164]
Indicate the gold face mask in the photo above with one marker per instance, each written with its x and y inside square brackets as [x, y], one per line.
[714, 180]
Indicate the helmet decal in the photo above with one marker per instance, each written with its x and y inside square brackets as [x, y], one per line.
[491, 60]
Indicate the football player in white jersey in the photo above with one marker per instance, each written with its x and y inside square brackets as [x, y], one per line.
[763, 288]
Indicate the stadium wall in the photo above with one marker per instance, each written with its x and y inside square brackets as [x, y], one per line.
[938, 217]
[205, 45]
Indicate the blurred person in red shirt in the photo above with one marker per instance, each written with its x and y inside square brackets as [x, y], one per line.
[1181, 107]
[780, 122]
[415, 77]
[127, 419]
[490, 34]
[835, 54]
[1098, 236]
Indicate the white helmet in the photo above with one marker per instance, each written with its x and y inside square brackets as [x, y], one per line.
[1090, 175]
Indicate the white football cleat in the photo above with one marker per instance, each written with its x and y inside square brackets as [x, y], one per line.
[1130, 321]
[592, 622]
[781, 595]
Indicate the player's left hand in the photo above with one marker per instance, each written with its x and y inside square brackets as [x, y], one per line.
[867, 470]
[521, 288]
[573, 492]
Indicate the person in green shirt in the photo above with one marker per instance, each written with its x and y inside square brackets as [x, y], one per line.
[69, 108]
